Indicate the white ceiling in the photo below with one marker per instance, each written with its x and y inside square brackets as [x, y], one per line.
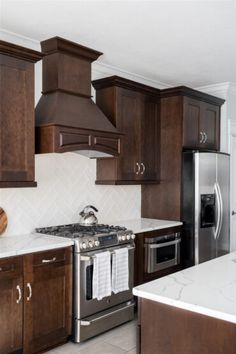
[176, 42]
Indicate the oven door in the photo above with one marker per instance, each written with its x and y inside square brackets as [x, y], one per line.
[84, 304]
[160, 256]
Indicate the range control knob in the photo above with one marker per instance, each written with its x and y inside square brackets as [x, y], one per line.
[91, 244]
[120, 238]
[133, 236]
[128, 237]
[83, 245]
[123, 238]
[97, 243]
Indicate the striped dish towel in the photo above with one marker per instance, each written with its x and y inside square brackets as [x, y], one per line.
[120, 270]
[102, 275]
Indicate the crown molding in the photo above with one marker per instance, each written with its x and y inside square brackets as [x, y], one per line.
[222, 90]
[99, 69]
[19, 39]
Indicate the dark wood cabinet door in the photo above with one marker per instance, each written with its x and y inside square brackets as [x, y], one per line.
[210, 126]
[128, 121]
[48, 299]
[150, 140]
[191, 123]
[11, 304]
[17, 115]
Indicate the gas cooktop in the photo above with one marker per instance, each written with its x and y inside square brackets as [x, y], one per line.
[79, 230]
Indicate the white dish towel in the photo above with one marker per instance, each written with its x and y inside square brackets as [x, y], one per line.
[120, 270]
[102, 275]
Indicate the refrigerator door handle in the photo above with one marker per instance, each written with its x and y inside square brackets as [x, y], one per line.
[220, 210]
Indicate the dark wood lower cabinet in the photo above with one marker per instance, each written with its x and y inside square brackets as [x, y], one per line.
[35, 301]
[48, 288]
[11, 305]
[140, 274]
[165, 329]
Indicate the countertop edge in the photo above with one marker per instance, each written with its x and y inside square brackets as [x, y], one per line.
[185, 306]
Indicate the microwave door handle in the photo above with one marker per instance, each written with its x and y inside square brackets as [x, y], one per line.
[160, 245]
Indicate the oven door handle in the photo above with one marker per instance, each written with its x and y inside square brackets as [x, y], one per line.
[88, 258]
[160, 245]
[88, 323]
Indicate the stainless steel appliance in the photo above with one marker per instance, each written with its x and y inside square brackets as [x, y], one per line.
[92, 316]
[206, 206]
[162, 252]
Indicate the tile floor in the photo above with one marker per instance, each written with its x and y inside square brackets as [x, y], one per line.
[120, 340]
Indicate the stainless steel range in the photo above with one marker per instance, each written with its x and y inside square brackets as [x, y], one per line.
[93, 316]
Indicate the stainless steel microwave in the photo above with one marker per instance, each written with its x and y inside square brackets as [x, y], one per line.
[162, 252]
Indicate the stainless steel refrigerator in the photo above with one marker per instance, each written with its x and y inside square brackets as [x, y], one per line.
[205, 206]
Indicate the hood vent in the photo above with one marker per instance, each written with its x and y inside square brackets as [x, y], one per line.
[66, 117]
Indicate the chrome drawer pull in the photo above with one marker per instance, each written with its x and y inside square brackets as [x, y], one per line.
[139, 168]
[19, 294]
[30, 292]
[49, 260]
[144, 168]
[201, 137]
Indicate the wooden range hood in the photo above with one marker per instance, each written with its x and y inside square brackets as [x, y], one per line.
[66, 117]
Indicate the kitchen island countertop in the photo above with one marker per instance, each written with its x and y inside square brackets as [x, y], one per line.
[208, 288]
[144, 224]
[29, 243]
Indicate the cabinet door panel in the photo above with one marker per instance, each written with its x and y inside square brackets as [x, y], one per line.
[150, 140]
[16, 120]
[11, 308]
[48, 311]
[210, 125]
[129, 116]
[191, 123]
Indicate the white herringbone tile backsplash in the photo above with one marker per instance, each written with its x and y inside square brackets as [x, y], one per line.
[66, 183]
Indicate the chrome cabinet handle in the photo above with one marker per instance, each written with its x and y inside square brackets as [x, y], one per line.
[30, 292]
[49, 260]
[233, 212]
[206, 137]
[201, 137]
[139, 168]
[18, 300]
[164, 244]
[143, 168]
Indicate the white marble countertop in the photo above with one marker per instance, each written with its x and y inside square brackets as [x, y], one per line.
[208, 288]
[145, 224]
[23, 244]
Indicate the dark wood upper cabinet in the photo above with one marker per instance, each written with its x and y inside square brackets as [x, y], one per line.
[134, 109]
[11, 305]
[201, 124]
[35, 301]
[189, 120]
[17, 119]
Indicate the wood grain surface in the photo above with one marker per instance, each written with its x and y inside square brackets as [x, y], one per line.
[3, 221]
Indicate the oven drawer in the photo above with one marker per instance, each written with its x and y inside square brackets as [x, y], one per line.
[162, 255]
[103, 321]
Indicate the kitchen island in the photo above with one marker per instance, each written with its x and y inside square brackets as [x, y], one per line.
[190, 312]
